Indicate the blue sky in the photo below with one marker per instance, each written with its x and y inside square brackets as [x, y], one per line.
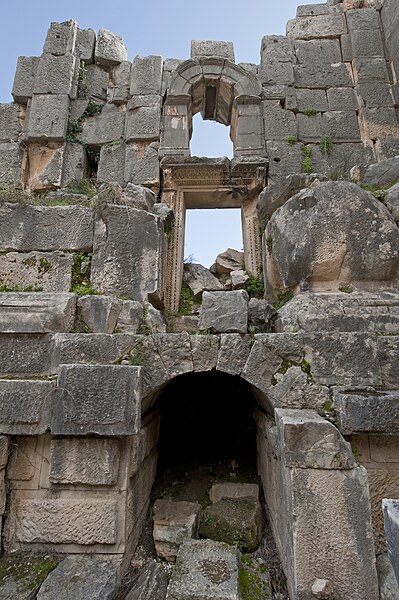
[154, 27]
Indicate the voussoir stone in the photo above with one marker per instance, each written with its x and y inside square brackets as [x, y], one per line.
[224, 312]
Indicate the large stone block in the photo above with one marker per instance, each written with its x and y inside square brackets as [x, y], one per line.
[61, 38]
[74, 164]
[319, 26]
[128, 254]
[174, 522]
[224, 312]
[342, 99]
[25, 406]
[369, 45]
[388, 351]
[309, 441]
[276, 73]
[391, 520]
[24, 79]
[341, 126]
[41, 271]
[11, 156]
[143, 123]
[48, 118]
[276, 47]
[80, 577]
[389, 588]
[284, 159]
[96, 82]
[151, 584]
[56, 75]
[307, 99]
[119, 89]
[383, 173]
[24, 355]
[22, 312]
[373, 411]
[146, 75]
[85, 521]
[97, 399]
[85, 43]
[327, 76]
[110, 49]
[212, 48]
[45, 166]
[46, 228]
[10, 125]
[364, 19]
[279, 123]
[112, 163]
[375, 94]
[379, 122]
[101, 313]
[370, 69]
[74, 348]
[87, 461]
[105, 128]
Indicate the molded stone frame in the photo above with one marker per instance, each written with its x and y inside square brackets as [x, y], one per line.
[210, 183]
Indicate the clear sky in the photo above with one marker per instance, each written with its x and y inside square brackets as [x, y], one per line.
[157, 27]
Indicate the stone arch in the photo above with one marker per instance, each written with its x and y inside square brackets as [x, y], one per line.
[222, 91]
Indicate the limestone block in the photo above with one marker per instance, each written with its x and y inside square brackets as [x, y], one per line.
[370, 69]
[341, 126]
[47, 228]
[85, 43]
[205, 565]
[47, 271]
[276, 72]
[346, 48]
[174, 522]
[4, 449]
[367, 45]
[204, 350]
[309, 441]
[80, 577]
[327, 76]
[387, 148]
[233, 490]
[143, 198]
[233, 354]
[315, 99]
[200, 279]
[97, 399]
[56, 75]
[48, 118]
[238, 279]
[74, 164]
[392, 201]
[224, 312]
[86, 521]
[389, 588]
[45, 167]
[382, 173]
[22, 312]
[131, 317]
[364, 19]
[327, 52]
[10, 126]
[379, 122]
[128, 254]
[104, 128]
[284, 159]
[23, 355]
[142, 164]
[24, 406]
[143, 123]
[24, 79]
[343, 156]
[96, 82]
[319, 26]
[139, 492]
[276, 47]
[151, 584]
[375, 94]
[260, 315]
[99, 348]
[391, 521]
[212, 48]
[309, 128]
[337, 251]
[112, 163]
[374, 411]
[87, 461]
[313, 10]
[61, 38]
[279, 124]
[228, 261]
[342, 99]
[100, 313]
[146, 75]
[110, 49]
[11, 155]
[119, 91]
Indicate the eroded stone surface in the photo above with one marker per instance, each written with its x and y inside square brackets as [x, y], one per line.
[224, 312]
[174, 522]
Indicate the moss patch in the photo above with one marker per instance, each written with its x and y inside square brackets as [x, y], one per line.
[254, 580]
[27, 570]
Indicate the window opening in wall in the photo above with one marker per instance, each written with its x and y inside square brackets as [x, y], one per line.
[210, 232]
[210, 139]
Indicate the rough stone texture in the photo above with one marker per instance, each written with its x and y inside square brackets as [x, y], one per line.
[25, 405]
[319, 26]
[74, 164]
[128, 254]
[86, 461]
[60, 38]
[143, 123]
[322, 588]
[96, 82]
[205, 569]
[309, 441]
[56, 75]
[142, 164]
[199, 279]
[22, 88]
[224, 312]
[392, 201]
[112, 163]
[230, 260]
[47, 228]
[174, 522]
[389, 588]
[45, 271]
[10, 126]
[373, 410]
[351, 237]
[104, 128]
[391, 521]
[48, 118]
[80, 577]
[146, 75]
[212, 48]
[260, 315]
[238, 279]
[97, 399]
[110, 49]
[23, 355]
[383, 173]
[100, 313]
[39, 312]
[11, 155]
[233, 490]
[151, 584]
[85, 43]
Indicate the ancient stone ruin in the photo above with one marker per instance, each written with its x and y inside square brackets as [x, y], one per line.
[117, 360]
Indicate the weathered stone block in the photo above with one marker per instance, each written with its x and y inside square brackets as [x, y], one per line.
[56, 75]
[24, 79]
[327, 52]
[383, 173]
[48, 118]
[97, 399]
[73, 348]
[199, 279]
[319, 26]
[391, 520]
[212, 48]
[22, 312]
[104, 128]
[85, 521]
[205, 565]
[364, 19]
[375, 94]
[143, 123]
[309, 128]
[276, 47]
[309, 441]
[369, 45]
[11, 155]
[284, 159]
[97, 82]
[74, 164]
[47, 228]
[25, 405]
[233, 490]
[379, 122]
[313, 76]
[10, 126]
[4, 449]
[100, 313]
[342, 99]
[374, 411]
[341, 126]
[119, 90]
[45, 166]
[142, 164]
[370, 69]
[389, 588]
[84, 47]
[110, 49]
[87, 461]
[315, 99]
[313, 10]
[44, 271]
[276, 73]
[26, 355]
[224, 312]
[151, 584]
[279, 124]
[146, 75]
[112, 163]
[61, 38]
[174, 522]
[128, 254]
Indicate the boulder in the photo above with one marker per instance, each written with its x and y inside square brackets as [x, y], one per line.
[391, 201]
[238, 279]
[224, 312]
[233, 490]
[199, 279]
[236, 521]
[383, 173]
[230, 260]
[151, 584]
[260, 315]
[174, 522]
